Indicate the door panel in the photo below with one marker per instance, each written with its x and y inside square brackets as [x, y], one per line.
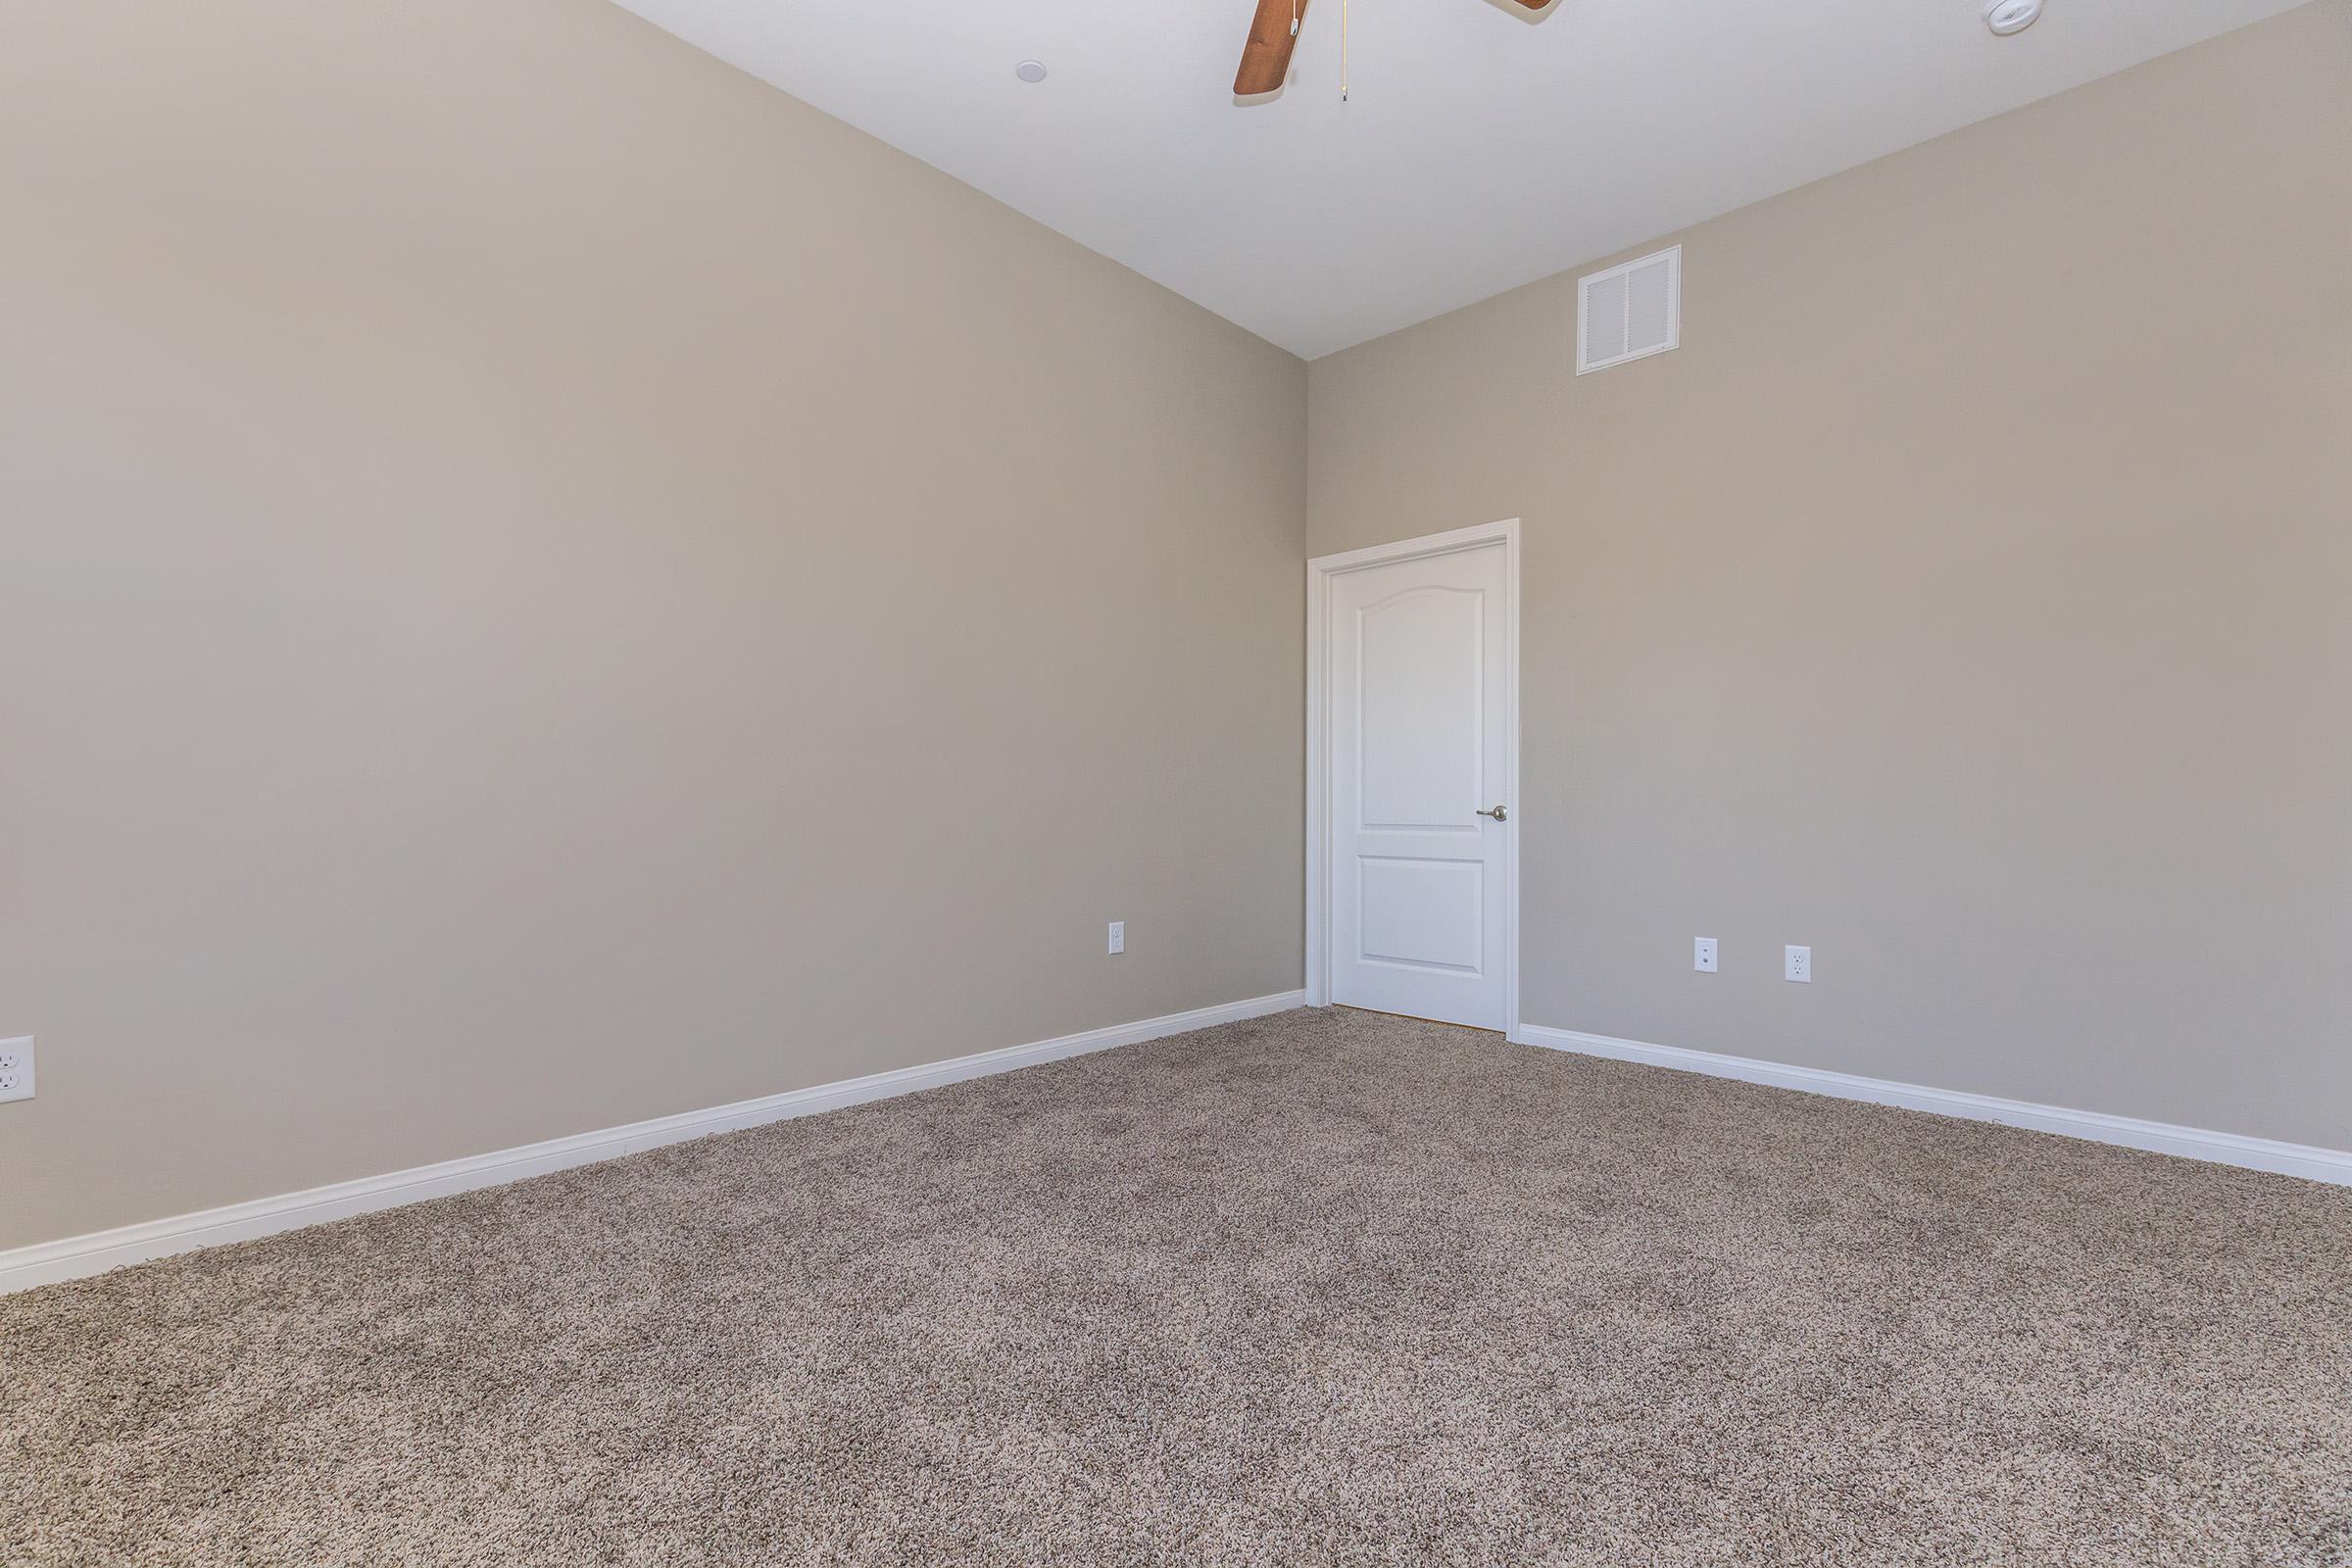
[1426, 913]
[1419, 654]
[1418, 691]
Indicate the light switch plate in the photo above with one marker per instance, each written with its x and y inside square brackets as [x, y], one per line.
[16, 1069]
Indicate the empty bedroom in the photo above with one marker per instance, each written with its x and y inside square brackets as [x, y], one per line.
[1383, 782]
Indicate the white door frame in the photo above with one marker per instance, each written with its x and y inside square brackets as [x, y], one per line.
[1320, 573]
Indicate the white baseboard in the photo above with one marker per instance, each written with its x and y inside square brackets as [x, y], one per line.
[2191, 1143]
[77, 1255]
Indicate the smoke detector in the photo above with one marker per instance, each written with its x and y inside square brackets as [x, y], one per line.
[2005, 17]
[1034, 70]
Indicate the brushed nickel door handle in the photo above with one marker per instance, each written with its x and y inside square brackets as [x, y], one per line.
[1497, 812]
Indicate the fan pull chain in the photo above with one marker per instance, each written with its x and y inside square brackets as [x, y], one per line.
[1293, 19]
[1343, 50]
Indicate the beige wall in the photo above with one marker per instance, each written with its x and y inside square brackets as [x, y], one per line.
[1970, 596]
[543, 583]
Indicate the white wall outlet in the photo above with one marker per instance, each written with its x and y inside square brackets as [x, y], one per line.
[16, 1069]
[1118, 936]
[1796, 965]
[1702, 954]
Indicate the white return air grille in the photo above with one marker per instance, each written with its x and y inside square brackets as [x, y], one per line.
[1629, 311]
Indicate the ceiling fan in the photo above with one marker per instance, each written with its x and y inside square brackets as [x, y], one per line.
[1273, 35]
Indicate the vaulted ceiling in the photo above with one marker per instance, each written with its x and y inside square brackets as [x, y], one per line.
[1479, 146]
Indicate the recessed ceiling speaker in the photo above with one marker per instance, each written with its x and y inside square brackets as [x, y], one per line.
[2005, 17]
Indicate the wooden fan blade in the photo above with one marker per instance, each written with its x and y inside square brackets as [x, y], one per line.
[1266, 57]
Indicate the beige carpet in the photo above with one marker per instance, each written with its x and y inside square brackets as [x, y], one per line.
[1317, 1289]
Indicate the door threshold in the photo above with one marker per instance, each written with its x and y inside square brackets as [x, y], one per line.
[1443, 1023]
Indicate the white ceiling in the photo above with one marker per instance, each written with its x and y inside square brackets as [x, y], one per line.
[1478, 149]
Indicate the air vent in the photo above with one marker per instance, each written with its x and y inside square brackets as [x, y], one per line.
[1630, 310]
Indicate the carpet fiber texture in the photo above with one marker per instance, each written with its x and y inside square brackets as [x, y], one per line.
[1321, 1288]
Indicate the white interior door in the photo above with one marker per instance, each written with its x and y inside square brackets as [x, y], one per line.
[1419, 694]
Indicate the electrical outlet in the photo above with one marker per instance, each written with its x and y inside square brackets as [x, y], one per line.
[1118, 936]
[16, 1069]
[1797, 965]
[1702, 954]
